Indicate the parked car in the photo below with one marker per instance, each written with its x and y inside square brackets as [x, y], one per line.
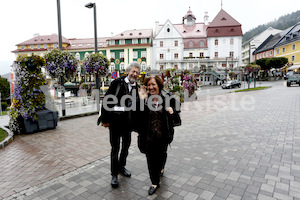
[231, 84]
[286, 76]
[293, 79]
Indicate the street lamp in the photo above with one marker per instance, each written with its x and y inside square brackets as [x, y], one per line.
[93, 5]
[231, 57]
[63, 103]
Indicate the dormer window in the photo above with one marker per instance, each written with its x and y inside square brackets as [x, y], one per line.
[140, 33]
[198, 30]
[223, 18]
[168, 30]
[184, 31]
[130, 34]
[122, 34]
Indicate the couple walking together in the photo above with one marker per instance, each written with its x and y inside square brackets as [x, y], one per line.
[146, 109]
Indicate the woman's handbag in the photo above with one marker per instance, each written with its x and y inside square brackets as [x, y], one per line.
[176, 119]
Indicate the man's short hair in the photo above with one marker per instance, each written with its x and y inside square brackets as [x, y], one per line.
[133, 64]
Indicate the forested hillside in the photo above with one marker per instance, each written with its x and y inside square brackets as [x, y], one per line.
[281, 23]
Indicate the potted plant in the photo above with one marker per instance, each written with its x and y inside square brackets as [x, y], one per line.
[28, 112]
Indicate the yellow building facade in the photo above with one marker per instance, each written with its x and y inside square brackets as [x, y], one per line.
[289, 47]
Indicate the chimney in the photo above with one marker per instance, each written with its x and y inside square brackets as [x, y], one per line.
[156, 27]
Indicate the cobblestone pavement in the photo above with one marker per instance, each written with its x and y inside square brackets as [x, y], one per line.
[230, 146]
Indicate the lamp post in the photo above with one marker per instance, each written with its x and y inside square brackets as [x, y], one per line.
[93, 5]
[63, 105]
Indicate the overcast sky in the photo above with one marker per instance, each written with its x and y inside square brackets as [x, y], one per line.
[21, 19]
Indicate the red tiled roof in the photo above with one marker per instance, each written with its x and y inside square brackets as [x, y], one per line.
[195, 31]
[132, 34]
[224, 19]
[224, 25]
[44, 39]
[189, 13]
[87, 43]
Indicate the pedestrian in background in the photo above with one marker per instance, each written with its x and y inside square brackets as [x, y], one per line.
[120, 119]
[157, 127]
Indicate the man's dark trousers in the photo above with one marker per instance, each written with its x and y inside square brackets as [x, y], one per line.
[119, 131]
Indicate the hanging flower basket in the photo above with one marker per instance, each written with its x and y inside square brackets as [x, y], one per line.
[61, 64]
[96, 64]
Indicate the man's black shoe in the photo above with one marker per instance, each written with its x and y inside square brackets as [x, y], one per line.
[152, 189]
[114, 181]
[125, 172]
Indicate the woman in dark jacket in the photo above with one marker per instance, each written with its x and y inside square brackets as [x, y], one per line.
[157, 127]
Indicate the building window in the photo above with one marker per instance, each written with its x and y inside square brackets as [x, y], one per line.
[135, 41]
[216, 54]
[121, 54]
[264, 54]
[190, 55]
[144, 41]
[201, 44]
[112, 55]
[122, 67]
[231, 54]
[77, 55]
[293, 58]
[294, 46]
[122, 41]
[267, 54]
[231, 41]
[161, 56]
[22, 47]
[112, 67]
[176, 43]
[54, 45]
[161, 44]
[191, 44]
[31, 46]
[216, 42]
[86, 54]
[201, 54]
[135, 55]
[277, 51]
[161, 67]
[143, 54]
[283, 50]
[38, 46]
[143, 66]
[176, 56]
[271, 53]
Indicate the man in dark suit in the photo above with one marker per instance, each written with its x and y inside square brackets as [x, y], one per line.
[118, 113]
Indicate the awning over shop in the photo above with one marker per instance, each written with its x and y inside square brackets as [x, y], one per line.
[293, 67]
